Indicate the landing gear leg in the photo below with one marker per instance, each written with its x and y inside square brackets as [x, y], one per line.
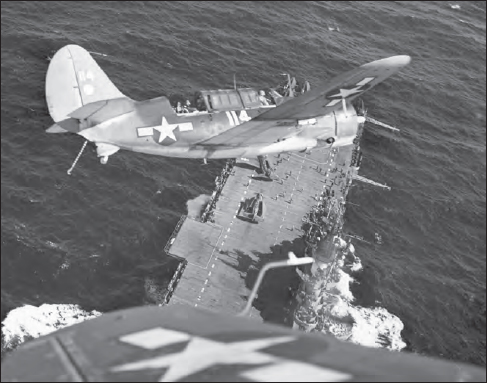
[264, 166]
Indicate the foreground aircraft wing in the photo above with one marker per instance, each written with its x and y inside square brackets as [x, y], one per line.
[73, 80]
[183, 343]
[325, 98]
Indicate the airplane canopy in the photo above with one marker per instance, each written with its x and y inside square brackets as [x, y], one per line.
[227, 99]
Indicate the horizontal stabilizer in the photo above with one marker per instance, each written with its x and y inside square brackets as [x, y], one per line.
[87, 110]
[55, 128]
[64, 126]
[101, 111]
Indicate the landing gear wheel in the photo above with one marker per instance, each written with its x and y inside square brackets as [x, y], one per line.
[330, 140]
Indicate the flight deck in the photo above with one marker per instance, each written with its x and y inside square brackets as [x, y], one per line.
[221, 251]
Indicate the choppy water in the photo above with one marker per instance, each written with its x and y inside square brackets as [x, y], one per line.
[96, 238]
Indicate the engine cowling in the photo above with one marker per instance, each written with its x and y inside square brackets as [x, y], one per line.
[339, 128]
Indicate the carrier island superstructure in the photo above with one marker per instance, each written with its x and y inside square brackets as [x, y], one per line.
[252, 219]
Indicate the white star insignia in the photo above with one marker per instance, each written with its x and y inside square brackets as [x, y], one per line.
[347, 92]
[166, 130]
[201, 353]
[344, 93]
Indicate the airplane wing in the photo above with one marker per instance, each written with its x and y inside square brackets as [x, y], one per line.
[183, 343]
[321, 100]
[73, 80]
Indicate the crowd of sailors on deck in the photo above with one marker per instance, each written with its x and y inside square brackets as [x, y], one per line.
[209, 213]
[323, 220]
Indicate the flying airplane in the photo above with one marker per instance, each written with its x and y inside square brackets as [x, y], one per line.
[228, 123]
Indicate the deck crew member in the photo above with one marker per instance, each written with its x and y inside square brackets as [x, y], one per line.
[187, 107]
[263, 100]
[179, 107]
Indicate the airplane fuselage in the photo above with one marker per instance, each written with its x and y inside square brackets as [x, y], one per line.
[153, 127]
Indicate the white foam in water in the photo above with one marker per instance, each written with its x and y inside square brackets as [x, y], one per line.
[341, 286]
[376, 327]
[331, 310]
[31, 322]
[356, 265]
[197, 205]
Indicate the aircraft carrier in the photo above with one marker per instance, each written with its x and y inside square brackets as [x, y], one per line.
[222, 251]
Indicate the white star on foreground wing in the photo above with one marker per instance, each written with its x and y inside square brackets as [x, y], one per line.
[347, 92]
[202, 353]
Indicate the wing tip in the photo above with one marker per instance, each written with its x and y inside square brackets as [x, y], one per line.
[401, 60]
[393, 61]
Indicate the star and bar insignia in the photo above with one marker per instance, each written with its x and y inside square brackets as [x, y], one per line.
[337, 95]
[199, 354]
[164, 134]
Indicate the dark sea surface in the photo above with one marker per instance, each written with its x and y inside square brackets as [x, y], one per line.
[96, 237]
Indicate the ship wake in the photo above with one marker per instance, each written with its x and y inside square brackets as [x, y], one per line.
[326, 306]
[29, 322]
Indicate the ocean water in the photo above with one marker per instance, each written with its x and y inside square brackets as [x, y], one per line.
[95, 238]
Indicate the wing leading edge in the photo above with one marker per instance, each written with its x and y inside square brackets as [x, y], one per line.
[323, 99]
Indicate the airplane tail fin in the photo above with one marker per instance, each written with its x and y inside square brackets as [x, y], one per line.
[74, 80]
